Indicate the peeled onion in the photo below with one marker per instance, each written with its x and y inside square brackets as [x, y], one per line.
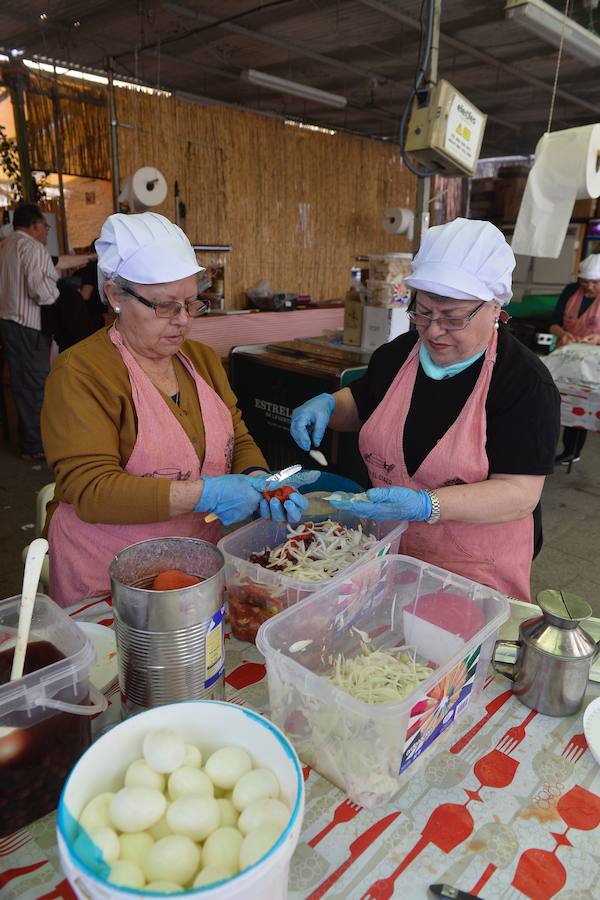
[228, 812]
[193, 757]
[107, 840]
[160, 829]
[195, 815]
[164, 750]
[187, 780]
[259, 784]
[136, 808]
[135, 846]
[210, 874]
[257, 843]
[222, 849]
[139, 774]
[127, 874]
[95, 813]
[226, 766]
[175, 858]
[264, 812]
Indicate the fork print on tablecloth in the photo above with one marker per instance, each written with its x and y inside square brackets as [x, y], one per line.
[344, 812]
[450, 824]
[13, 842]
[575, 748]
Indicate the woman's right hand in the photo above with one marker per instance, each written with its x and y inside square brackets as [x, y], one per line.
[231, 498]
[310, 420]
[566, 338]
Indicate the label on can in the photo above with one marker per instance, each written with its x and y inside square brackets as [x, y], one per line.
[214, 648]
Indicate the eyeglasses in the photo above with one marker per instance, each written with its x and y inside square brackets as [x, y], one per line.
[448, 323]
[170, 308]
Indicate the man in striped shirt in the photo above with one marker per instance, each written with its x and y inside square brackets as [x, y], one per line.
[27, 282]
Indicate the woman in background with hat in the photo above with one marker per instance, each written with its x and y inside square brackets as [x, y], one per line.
[576, 319]
[458, 421]
[140, 427]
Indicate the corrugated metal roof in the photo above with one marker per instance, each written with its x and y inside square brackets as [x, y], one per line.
[365, 50]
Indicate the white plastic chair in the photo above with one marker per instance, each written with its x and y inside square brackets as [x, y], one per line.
[44, 496]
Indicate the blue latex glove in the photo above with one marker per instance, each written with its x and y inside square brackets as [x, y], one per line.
[231, 497]
[291, 510]
[309, 421]
[390, 503]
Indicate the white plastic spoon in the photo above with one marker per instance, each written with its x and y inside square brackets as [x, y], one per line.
[31, 578]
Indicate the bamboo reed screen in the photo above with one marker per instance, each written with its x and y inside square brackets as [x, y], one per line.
[75, 118]
[297, 206]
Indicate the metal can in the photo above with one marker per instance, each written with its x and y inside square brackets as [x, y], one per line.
[170, 644]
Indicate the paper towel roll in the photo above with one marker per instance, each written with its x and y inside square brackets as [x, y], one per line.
[566, 168]
[144, 189]
[398, 220]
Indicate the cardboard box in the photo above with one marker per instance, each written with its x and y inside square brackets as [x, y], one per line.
[381, 324]
[353, 321]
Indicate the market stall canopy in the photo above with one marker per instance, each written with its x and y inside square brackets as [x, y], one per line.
[359, 55]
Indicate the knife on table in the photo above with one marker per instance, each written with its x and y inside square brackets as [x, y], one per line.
[452, 893]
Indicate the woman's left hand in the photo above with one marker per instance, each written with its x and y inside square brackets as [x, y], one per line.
[280, 508]
[386, 504]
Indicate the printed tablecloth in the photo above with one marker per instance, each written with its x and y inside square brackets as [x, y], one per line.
[579, 405]
[508, 806]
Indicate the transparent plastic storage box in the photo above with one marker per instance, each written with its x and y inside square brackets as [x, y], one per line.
[255, 594]
[368, 750]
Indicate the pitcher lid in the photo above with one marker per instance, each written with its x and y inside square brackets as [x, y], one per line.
[564, 606]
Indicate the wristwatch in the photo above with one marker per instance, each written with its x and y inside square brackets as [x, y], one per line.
[436, 511]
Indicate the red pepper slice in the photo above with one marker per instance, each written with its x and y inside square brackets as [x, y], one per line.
[281, 493]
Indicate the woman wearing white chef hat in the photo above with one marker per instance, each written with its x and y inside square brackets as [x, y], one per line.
[458, 421]
[576, 319]
[141, 427]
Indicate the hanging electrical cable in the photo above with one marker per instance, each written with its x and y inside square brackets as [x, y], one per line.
[420, 77]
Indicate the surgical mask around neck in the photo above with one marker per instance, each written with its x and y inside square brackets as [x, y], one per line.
[433, 370]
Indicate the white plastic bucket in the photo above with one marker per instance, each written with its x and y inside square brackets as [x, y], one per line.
[209, 725]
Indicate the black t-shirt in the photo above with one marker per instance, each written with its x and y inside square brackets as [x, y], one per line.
[522, 408]
[559, 310]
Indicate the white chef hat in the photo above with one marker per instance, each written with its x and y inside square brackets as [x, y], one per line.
[144, 248]
[466, 259]
[590, 267]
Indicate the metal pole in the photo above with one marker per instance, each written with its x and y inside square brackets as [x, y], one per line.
[114, 138]
[16, 80]
[58, 137]
[424, 184]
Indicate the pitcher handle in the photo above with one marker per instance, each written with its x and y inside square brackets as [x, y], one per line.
[504, 668]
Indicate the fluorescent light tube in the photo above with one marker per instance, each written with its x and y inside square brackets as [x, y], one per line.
[263, 79]
[550, 25]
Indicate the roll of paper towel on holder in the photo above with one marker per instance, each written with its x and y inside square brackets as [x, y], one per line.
[399, 220]
[144, 189]
[566, 169]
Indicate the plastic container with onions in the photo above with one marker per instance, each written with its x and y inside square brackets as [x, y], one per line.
[200, 797]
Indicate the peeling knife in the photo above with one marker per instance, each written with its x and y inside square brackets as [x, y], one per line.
[307, 477]
[451, 893]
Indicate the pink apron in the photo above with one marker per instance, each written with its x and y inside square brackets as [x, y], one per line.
[588, 323]
[80, 552]
[498, 555]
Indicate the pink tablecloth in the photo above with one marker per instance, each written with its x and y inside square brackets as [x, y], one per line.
[224, 332]
[509, 806]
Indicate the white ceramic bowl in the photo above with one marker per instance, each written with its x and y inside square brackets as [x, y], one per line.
[591, 728]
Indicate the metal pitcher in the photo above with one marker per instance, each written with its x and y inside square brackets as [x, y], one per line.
[554, 656]
[170, 644]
